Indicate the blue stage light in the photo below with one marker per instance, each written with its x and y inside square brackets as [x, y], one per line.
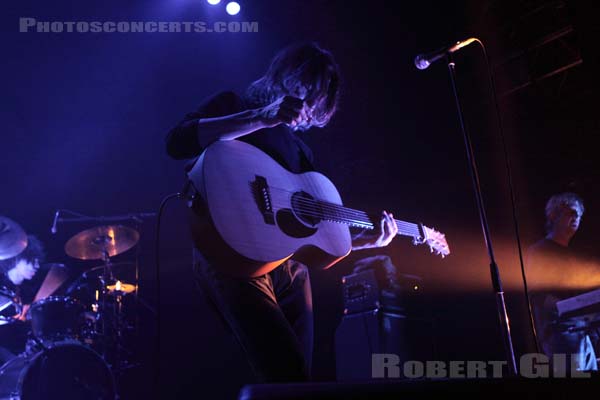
[213, 2]
[232, 8]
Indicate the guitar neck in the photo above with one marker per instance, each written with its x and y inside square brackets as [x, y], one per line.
[360, 219]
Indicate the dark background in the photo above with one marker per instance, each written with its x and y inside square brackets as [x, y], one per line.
[84, 118]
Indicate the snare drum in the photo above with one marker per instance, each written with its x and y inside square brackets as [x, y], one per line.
[56, 318]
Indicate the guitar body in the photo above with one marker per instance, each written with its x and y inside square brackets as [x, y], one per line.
[262, 213]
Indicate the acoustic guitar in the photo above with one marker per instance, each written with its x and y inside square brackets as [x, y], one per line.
[263, 214]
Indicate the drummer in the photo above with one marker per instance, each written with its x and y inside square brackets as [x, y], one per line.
[14, 272]
[23, 266]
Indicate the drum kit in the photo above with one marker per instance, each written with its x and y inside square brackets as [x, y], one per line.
[75, 344]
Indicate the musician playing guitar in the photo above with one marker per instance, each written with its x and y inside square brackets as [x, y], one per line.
[269, 308]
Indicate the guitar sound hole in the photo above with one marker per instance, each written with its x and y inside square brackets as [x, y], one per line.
[306, 208]
[301, 220]
[292, 226]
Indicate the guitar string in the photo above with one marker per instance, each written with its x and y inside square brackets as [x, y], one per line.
[410, 228]
[312, 207]
[319, 209]
[333, 207]
[341, 210]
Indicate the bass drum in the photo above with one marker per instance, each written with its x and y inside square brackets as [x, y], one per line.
[65, 371]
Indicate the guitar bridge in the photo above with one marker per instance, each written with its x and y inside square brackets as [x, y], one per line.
[262, 198]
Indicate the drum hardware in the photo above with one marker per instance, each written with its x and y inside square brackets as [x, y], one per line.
[125, 238]
[65, 322]
[106, 310]
[13, 238]
[9, 306]
[76, 217]
[118, 291]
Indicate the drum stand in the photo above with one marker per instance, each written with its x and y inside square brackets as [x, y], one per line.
[117, 320]
[109, 323]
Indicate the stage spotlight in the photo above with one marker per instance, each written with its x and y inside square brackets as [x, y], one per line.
[213, 2]
[232, 8]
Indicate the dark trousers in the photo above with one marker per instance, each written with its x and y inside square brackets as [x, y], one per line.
[271, 316]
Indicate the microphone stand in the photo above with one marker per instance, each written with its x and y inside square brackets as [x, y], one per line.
[495, 274]
[116, 218]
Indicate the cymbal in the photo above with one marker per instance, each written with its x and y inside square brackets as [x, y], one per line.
[90, 278]
[121, 287]
[13, 238]
[95, 243]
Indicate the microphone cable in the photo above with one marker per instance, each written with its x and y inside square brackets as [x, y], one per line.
[163, 204]
[511, 190]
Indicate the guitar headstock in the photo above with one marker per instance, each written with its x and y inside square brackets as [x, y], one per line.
[436, 241]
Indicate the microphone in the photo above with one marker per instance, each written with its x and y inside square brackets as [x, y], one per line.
[53, 229]
[422, 61]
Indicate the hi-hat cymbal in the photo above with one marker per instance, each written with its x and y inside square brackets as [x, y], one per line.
[98, 242]
[13, 238]
[121, 288]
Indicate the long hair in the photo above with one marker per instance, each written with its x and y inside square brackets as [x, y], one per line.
[34, 251]
[306, 65]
